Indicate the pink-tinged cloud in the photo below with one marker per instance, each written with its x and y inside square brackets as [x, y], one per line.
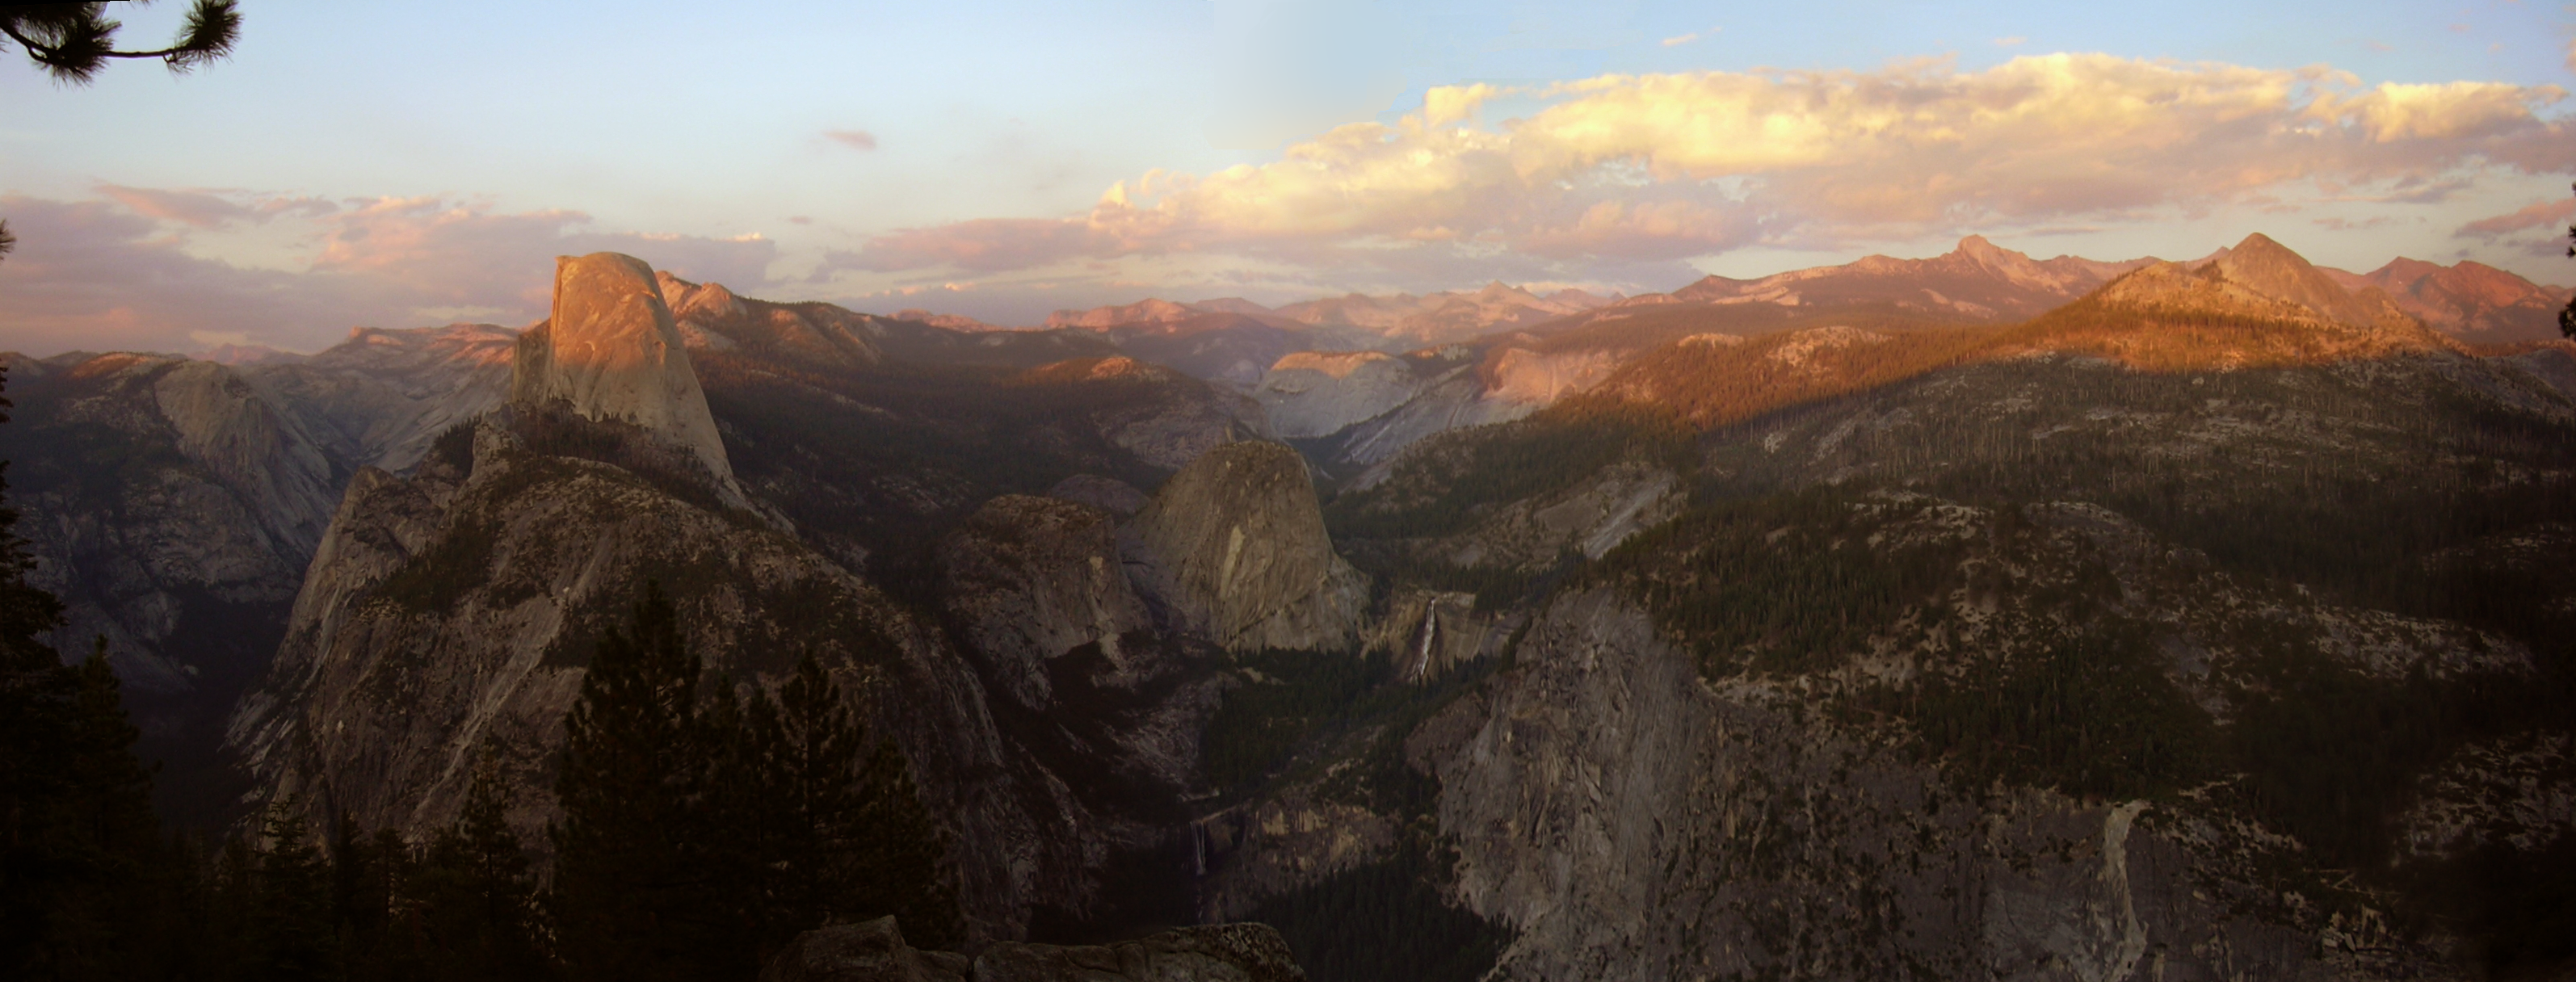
[1626, 166]
[853, 139]
[2549, 215]
[107, 275]
[466, 255]
[210, 209]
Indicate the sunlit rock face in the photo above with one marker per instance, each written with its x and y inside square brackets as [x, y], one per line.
[612, 352]
[1234, 547]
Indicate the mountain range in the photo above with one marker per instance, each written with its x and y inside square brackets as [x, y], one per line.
[1974, 615]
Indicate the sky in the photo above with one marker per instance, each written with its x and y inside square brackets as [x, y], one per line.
[398, 164]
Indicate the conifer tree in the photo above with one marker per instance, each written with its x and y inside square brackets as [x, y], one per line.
[73, 41]
[292, 935]
[79, 850]
[475, 891]
[803, 767]
[842, 830]
[903, 856]
[631, 853]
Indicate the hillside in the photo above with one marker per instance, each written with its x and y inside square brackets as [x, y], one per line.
[2205, 621]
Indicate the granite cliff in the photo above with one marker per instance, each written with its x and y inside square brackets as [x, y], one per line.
[1233, 547]
[611, 351]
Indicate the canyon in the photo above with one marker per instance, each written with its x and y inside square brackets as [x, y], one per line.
[1973, 615]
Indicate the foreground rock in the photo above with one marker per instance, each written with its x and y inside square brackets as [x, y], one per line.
[875, 952]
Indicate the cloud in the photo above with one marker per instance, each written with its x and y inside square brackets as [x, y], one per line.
[1659, 167]
[2539, 214]
[466, 255]
[1679, 40]
[854, 139]
[211, 209]
[2340, 224]
[125, 272]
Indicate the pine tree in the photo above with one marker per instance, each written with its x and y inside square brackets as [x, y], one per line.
[903, 854]
[803, 766]
[79, 850]
[475, 893]
[73, 41]
[291, 930]
[842, 831]
[366, 876]
[33, 694]
[631, 870]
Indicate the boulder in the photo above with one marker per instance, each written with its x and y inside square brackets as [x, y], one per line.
[869, 952]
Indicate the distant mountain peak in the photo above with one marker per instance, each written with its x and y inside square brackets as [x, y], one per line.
[2468, 299]
[2272, 270]
[612, 351]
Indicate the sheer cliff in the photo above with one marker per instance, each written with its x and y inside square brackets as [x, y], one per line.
[1234, 547]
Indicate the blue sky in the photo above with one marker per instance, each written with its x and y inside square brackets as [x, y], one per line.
[399, 164]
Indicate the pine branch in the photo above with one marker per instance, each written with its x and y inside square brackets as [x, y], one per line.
[73, 41]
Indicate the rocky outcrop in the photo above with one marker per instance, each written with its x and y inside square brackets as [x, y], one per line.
[874, 951]
[1589, 520]
[1167, 419]
[1031, 579]
[450, 613]
[611, 351]
[1635, 823]
[172, 504]
[1233, 548]
[1312, 393]
[1429, 633]
[380, 397]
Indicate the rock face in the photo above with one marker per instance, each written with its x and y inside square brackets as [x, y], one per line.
[1312, 393]
[171, 504]
[1032, 579]
[1626, 818]
[381, 396]
[875, 952]
[611, 351]
[1167, 420]
[1365, 408]
[1233, 547]
[451, 613]
[1589, 519]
